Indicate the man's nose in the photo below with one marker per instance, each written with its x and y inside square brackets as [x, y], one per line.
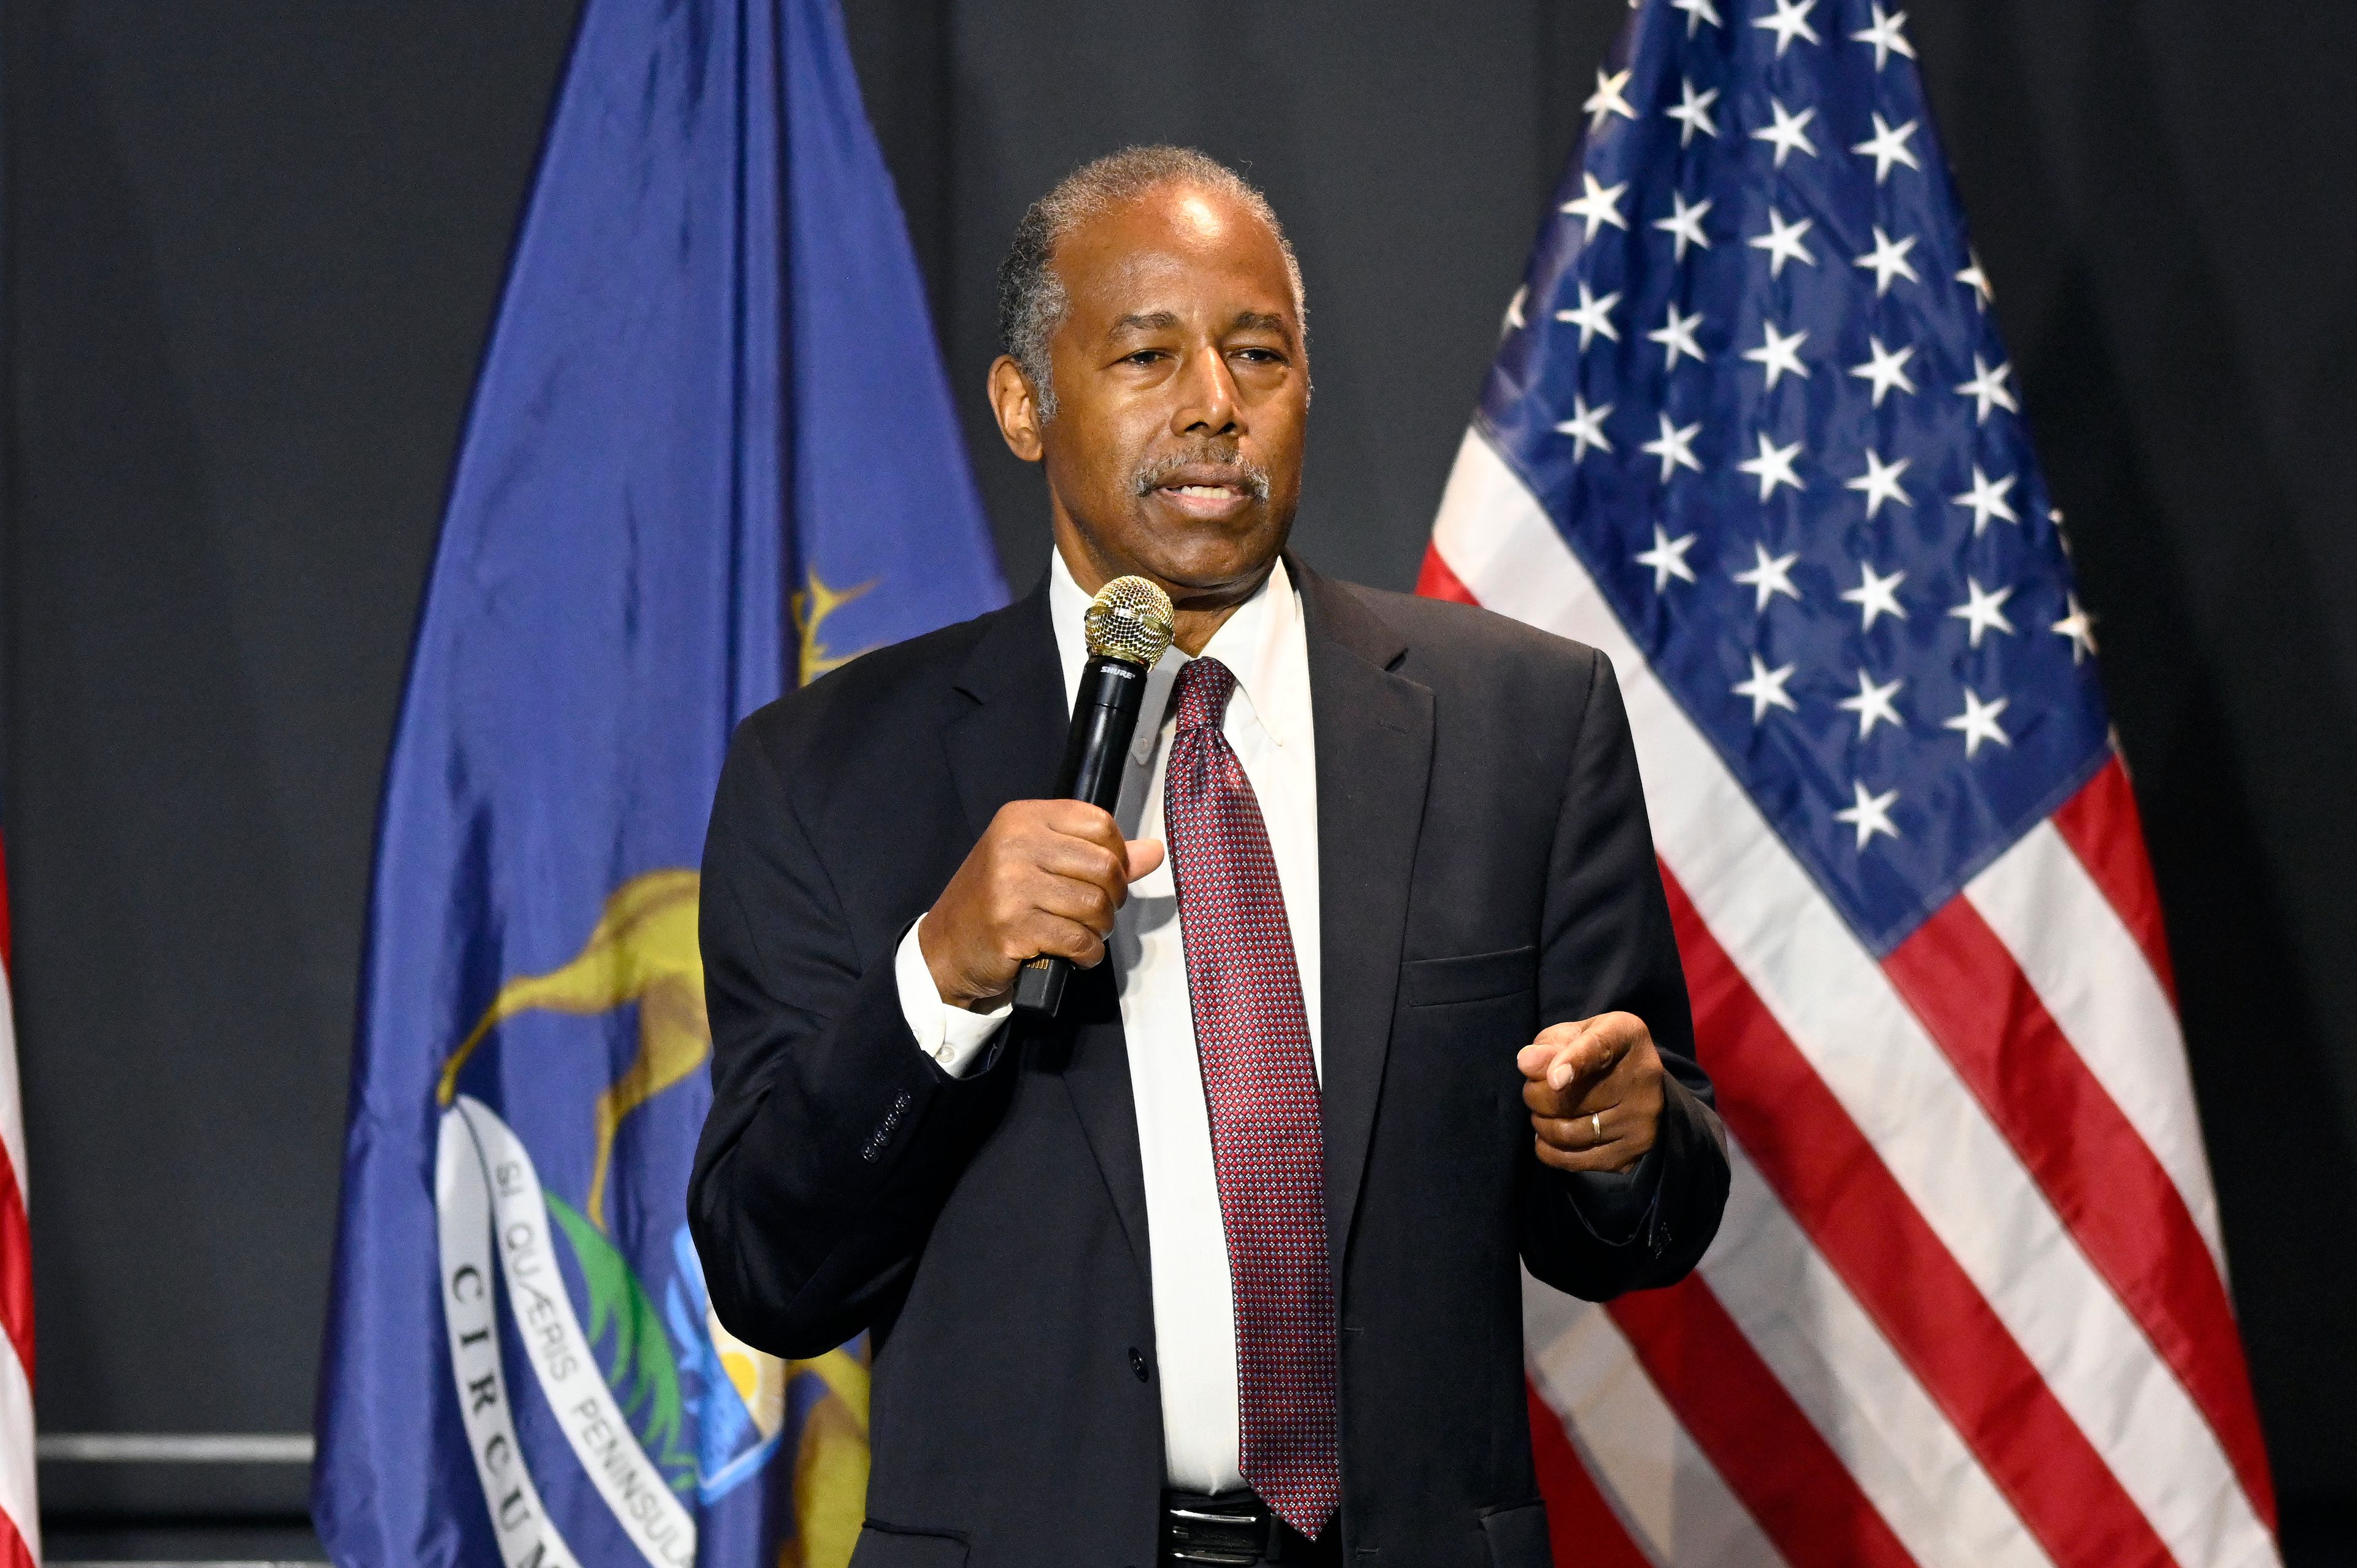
[1207, 396]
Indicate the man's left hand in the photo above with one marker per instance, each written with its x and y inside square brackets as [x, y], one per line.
[1594, 1087]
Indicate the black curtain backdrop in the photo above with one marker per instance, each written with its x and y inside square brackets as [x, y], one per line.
[252, 247]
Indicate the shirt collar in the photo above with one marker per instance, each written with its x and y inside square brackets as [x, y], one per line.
[1263, 643]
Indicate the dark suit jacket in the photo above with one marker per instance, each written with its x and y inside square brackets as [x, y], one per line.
[1486, 868]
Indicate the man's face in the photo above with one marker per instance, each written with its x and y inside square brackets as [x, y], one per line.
[1182, 395]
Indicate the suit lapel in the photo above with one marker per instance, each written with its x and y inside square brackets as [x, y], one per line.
[1004, 747]
[1374, 757]
[1096, 1075]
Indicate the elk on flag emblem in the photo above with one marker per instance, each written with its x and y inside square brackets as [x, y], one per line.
[1751, 431]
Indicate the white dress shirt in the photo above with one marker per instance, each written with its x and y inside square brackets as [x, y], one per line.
[1268, 723]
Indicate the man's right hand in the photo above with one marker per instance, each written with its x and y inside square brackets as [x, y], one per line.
[1044, 879]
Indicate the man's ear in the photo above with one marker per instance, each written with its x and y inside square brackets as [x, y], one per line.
[1017, 410]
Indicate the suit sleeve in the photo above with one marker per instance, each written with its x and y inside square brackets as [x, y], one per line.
[1607, 945]
[833, 1137]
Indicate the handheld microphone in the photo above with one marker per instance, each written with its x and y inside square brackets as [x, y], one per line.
[1129, 625]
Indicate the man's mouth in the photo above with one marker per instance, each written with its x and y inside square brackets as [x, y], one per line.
[1207, 501]
[1206, 483]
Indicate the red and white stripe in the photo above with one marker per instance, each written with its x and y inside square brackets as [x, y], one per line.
[20, 1518]
[1969, 1304]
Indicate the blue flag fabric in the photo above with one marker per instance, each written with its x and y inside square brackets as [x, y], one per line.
[712, 450]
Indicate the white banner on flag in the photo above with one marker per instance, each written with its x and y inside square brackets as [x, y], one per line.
[503, 1196]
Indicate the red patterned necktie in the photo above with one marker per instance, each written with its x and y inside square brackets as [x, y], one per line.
[1253, 1038]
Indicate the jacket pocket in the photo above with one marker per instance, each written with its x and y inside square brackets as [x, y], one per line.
[1476, 977]
[890, 1546]
[1518, 1537]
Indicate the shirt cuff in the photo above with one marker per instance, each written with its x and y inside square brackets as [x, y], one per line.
[951, 1035]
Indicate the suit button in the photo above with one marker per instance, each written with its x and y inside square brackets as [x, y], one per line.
[1137, 1362]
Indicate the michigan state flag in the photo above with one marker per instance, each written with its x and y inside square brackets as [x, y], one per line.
[711, 453]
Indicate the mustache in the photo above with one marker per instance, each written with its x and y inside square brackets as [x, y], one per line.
[1235, 469]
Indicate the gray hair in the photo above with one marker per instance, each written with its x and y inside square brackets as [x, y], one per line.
[1032, 299]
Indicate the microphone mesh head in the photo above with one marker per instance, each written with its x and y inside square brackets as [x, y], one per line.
[1129, 620]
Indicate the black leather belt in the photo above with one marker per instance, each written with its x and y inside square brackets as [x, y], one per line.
[1236, 1529]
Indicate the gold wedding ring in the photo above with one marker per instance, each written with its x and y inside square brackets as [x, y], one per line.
[1596, 1124]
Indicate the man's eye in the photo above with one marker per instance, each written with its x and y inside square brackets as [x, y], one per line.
[1143, 356]
[1260, 356]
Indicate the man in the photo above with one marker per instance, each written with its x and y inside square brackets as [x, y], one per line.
[1221, 1266]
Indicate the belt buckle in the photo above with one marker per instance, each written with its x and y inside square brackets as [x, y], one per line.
[1206, 1540]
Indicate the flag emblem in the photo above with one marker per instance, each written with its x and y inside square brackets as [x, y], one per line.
[655, 1397]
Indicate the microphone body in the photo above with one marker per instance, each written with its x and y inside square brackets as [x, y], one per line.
[1105, 721]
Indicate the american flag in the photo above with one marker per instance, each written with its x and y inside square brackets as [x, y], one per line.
[1751, 431]
[20, 1520]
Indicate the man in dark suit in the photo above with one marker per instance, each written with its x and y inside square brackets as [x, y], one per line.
[1221, 1265]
